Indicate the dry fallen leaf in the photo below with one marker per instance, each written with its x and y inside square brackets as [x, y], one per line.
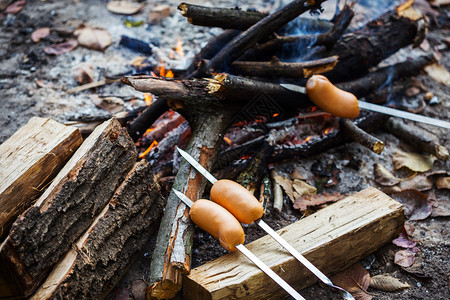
[84, 74]
[438, 73]
[404, 241]
[416, 204]
[110, 104]
[443, 183]
[286, 184]
[405, 258]
[440, 2]
[355, 280]
[15, 7]
[387, 283]
[304, 202]
[441, 208]
[93, 38]
[61, 48]
[158, 14]
[383, 176]
[139, 290]
[421, 182]
[39, 34]
[124, 7]
[413, 161]
[301, 188]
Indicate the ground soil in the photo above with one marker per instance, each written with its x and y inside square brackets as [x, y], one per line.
[33, 83]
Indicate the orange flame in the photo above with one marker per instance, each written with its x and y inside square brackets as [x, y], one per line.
[179, 48]
[143, 154]
[308, 138]
[275, 115]
[148, 99]
[169, 74]
[327, 131]
[227, 140]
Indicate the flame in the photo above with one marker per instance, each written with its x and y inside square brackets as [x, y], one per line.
[148, 99]
[143, 154]
[179, 48]
[308, 138]
[275, 115]
[163, 72]
[169, 74]
[327, 130]
[149, 130]
[227, 140]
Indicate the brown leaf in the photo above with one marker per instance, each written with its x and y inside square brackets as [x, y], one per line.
[441, 208]
[301, 188]
[404, 241]
[387, 283]
[443, 183]
[93, 38]
[39, 34]
[440, 2]
[383, 176]
[285, 183]
[438, 73]
[15, 7]
[84, 74]
[413, 161]
[139, 290]
[412, 91]
[404, 258]
[158, 14]
[124, 7]
[416, 204]
[304, 202]
[61, 48]
[110, 104]
[419, 182]
[355, 280]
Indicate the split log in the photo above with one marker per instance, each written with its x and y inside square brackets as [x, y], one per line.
[102, 254]
[234, 49]
[366, 47]
[362, 137]
[220, 17]
[276, 68]
[30, 159]
[43, 233]
[417, 137]
[332, 239]
[171, 257]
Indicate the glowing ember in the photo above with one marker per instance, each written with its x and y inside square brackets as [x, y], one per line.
[275, 115]
[148, 99]
[227, 140]
[308, 138]
[245, 157]
[179, 48]
[327, 131]
[153, 145]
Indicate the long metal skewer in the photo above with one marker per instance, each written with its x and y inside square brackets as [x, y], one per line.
[346, 295]
[252, 257]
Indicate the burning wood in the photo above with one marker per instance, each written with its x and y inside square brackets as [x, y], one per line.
[29, 161]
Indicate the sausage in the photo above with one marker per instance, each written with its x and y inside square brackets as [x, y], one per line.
[218, 222]
[237, 200]
[330, 98]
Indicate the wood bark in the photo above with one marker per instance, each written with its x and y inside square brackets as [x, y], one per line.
[43, 233]
[366, 47]
[417, 137]
[362, 137]
[30, 159]
[99, 258]
[234, 49]
[276, 68]
[220, 17]
[171, 257]
[332, 239]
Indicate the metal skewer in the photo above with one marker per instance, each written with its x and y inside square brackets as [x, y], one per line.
[274, 276]
[346, 295]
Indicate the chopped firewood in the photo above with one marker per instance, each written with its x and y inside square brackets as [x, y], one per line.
[43, 233]
[101, 255]
[362, 137]
[30, 159]
[276, 68]
[331, 239]
[220, 17]
[417, 137]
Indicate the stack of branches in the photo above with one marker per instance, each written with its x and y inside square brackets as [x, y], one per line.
[214, 91]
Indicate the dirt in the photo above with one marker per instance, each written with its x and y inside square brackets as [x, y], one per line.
[33, 83]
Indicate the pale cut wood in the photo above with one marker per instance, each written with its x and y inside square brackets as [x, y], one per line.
[43, 233]
[102, 254]
[29, 160]
[332, 239]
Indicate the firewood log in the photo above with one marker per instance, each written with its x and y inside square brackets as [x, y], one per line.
[29, 160]
[100, 257]
[43, 233]
[332, 239]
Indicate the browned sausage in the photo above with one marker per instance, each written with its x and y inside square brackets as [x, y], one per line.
[237, 200]
[218, 222]
[330, 98]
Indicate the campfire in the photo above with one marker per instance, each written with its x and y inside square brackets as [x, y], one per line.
[295, 110]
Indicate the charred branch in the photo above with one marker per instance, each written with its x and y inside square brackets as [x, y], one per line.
[362, 137]
[220, 17]
[147, 118]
